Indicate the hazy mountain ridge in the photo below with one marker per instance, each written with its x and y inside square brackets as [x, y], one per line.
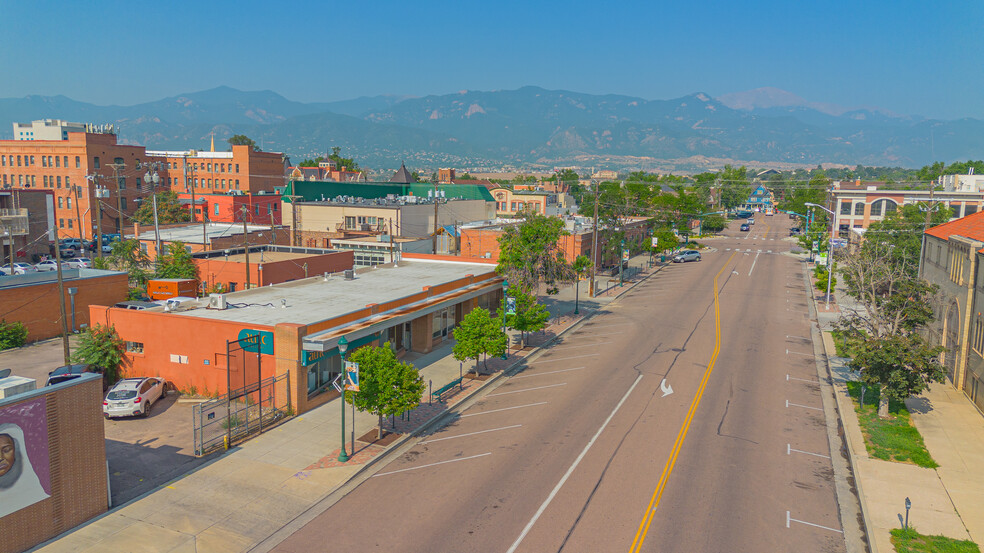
[529, 125]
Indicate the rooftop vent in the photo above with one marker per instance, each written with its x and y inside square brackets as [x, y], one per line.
[349, 274]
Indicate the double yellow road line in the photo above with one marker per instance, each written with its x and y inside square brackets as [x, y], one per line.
[647, 519]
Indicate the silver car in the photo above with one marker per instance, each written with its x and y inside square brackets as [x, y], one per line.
[133, 396]
[686, 255]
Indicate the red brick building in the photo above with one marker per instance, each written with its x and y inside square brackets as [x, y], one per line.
[267, 265]
[242, 170]
[258, 209]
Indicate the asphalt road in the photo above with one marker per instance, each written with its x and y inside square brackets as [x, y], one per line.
[586, 450]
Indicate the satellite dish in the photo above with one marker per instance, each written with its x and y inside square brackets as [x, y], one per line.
[4, 373]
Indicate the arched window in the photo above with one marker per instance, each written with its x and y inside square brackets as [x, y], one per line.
[883, 207]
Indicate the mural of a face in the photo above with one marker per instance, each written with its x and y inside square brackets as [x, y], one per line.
[7, 453]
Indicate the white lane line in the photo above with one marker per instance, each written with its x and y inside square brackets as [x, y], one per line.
[503, 409]
[565, 358]
[548, 372]
[770, 251]
[790, 450]
[558, 346]
[432, 464]
[799, 337]
[471, 434]
[527, 389]
[607, 325]
[753, 263]
[570, 470]
[586, 335]
[788, 378]
[798, 353]
[803, 406]
[788, 520]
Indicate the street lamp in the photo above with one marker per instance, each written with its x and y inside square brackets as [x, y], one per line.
[505, 288]
[621, 260]
[342, 348]
[830, 250]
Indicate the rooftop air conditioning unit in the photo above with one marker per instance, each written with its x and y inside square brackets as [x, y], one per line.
[349, 274]
[217, 301]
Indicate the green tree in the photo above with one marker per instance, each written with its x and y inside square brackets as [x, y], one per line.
[243, 140]
[176, 262]
[348, 163]
[902, 231]
[311, 162]
[735, 188]
[479, 334]
[387, 386]
[127, 256]
[529, 253]
[665, 240]
[900, 365]
[713, 223]
[530, 316]
[12, 335]
[169, 210]
[101, 346]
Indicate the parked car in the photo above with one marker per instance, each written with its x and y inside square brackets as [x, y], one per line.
[794, 231]
[686, 255]
[136, 304]
[23, 268]
[48, 265]
[71, 372]
[73, 243]
[750, 221]
[745, 227]
[66, 251]
[79, 263]
[133, 396]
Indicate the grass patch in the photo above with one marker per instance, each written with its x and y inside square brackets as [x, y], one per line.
[910, 541]
[840, 344]
[891, 439]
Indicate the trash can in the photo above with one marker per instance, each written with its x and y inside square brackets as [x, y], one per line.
[662, 258]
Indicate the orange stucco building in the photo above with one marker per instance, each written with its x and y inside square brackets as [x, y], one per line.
[227, 269]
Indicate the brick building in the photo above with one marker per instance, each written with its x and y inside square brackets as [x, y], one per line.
[32, 299]
[242, 170]
[24, 225]
[199, 237]
[59, 437]
[267, 265]
[258, 209]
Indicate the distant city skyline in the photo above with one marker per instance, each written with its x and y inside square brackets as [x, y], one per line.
[906, 57]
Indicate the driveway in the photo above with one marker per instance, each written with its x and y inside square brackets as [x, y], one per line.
[143, 453]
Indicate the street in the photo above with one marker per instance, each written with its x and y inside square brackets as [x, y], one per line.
[685, 417]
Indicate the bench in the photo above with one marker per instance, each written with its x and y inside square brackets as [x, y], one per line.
[438, 393]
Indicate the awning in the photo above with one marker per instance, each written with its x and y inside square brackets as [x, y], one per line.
[450, 229]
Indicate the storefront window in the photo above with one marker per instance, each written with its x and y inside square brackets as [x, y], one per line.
[321, 373]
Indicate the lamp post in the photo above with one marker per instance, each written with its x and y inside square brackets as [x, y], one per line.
[342, 348]
[621, 263]
[577, 281]
[830, 251]
[505, 303]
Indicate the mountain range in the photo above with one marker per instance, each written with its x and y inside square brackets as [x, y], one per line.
[533, 127]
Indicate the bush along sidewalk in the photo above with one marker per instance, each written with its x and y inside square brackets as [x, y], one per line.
[907, 540]
[893, 438]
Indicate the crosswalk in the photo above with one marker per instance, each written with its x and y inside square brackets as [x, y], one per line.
[749, 250]
[750, 237]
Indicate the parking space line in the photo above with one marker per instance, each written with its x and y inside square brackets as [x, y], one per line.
[789, 450]
[527, 389]
[548, 372]
[803, 406]
[788, 520]
[470, 434]
[503, 409]
[788, 378]
[558, 346]
[432, 464]
[798, 353]
[565, 358]
[798, 337]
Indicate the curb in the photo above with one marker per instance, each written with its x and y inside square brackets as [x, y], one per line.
[404, 443]
[827, 380]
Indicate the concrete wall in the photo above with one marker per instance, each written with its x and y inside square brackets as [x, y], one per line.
[36, 305]
[76, 461]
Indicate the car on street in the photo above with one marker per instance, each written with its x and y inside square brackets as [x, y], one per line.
[686, 255]
[750, 221]
[47, 265]
[745, 227]
[133, 396]
[23, 268]
[79, 263]
[794, 231]
[66, 251]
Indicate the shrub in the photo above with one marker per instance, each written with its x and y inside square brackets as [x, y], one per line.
[12, 335]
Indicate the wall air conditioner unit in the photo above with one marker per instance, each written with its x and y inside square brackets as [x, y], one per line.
[217, 301]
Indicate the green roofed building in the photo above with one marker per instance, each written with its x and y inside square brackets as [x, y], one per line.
[310, 191]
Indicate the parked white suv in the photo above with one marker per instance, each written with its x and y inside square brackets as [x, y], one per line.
[133, 396]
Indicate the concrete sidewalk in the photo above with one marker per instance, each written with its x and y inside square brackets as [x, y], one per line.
[244, 496]
[946, 500]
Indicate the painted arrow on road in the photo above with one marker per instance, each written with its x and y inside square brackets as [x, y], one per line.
[666, 388]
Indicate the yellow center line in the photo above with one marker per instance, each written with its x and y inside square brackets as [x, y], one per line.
[668, 469]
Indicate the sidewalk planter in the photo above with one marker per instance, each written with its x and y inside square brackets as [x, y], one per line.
[891, 439]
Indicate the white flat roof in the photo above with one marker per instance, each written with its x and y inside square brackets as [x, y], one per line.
[192, 233]
[315, 299]
[191, 154]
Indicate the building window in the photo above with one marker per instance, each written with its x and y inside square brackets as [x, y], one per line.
[34, 181]
[69, 223]
[60, 205]
[68, 203]
[78, 162]
[121, 183]
[970, 209]
[223, 167]
[859, 208]
[44, 180]
[95, 163]
[216, 211]
[845, 208]
[61, 223]
[134, 347]
[890, 207]
[66, 182]
[57, 162]
[237, 170]
[44, 161]
[123, 203]
[237, 180]
[18, 161]
[58, 182]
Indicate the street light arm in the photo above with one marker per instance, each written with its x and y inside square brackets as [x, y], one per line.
[821, 207]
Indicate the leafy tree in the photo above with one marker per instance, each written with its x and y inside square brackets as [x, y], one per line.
[530, 316]
[665, 239]
[243, 140]
[169, 210]
[902, 365]
[529, 253]
[387, 386]
[735, 188]
[478, 334]
[311, 162]
[820, 273]
[567, 175]
[101, 346]
[176, 262]
[902, 232]
[127, 256]
[348, 163]
[713, 223]
[12, 335]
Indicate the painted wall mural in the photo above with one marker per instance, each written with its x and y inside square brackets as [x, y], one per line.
[25, 476]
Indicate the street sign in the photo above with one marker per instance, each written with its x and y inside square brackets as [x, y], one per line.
[352, 371]
[510, 306]
[625, 254]
[336, 385]
[655, 242]
[816, 245]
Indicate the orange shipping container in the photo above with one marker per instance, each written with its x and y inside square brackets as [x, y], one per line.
[164, 288]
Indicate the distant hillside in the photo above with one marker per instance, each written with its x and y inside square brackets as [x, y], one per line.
[531, 126]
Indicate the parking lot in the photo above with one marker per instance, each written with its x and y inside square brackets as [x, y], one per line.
[143, 453]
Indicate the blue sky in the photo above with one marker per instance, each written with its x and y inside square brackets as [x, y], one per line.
[911, 57]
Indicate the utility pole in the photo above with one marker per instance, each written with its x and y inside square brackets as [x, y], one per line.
[8, 232]
[246, 241]
[295, 228]
[157, 229]
[932, 203]
[119, 196]
[594, 243]
[61, 297]
[78, 213]
[392, 253]
[435, 218]
[98, 195]
[190, 185]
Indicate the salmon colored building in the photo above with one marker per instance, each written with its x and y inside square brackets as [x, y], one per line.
[297, 325]
[227, 269]
[258, 209]
[243, 170]
[200, 237]
[72, 169]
